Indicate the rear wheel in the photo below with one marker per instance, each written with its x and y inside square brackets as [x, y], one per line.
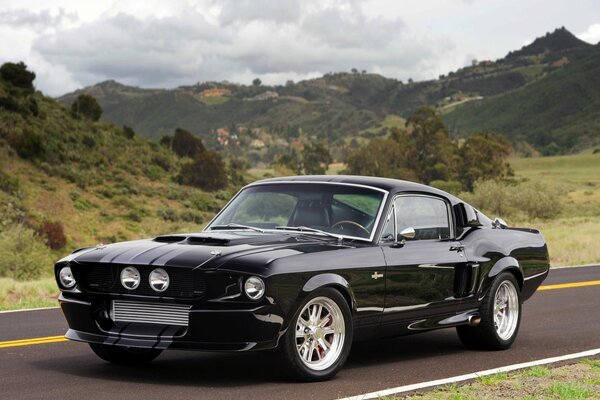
[318, 340]
[124, 355]
[500, 317]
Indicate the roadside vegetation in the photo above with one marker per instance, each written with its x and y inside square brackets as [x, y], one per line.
[575, 381]
[68, 180]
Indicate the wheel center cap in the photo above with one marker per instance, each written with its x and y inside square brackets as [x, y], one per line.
[318, 333]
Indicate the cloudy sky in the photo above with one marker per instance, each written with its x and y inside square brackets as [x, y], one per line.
[148, 43]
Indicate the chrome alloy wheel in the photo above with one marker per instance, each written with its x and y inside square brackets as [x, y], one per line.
[320, 333]
[506, 310]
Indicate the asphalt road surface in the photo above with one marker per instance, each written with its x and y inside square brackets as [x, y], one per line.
[555, 322]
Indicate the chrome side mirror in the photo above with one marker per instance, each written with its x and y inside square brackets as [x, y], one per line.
[408, 233]
[499, 223]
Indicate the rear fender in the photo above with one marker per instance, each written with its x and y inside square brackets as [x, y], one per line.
[507, 264]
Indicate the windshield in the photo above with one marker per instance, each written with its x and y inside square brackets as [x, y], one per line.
[344, 210]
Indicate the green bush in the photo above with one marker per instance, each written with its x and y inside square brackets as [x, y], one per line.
[18, 75]
[23, 254]
[29, 144]
[168, 214]
[532, 200]
[86, 107]
[8, 184]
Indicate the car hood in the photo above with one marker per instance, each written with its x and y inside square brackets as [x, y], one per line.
[203, 250]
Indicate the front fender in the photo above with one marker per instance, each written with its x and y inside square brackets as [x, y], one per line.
[330, 280]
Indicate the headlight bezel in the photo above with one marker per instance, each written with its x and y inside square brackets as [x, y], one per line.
[66, 273]
[254, 288]
[131, 272]
[163, 273]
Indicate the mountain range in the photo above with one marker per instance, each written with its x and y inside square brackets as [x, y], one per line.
[544, 96]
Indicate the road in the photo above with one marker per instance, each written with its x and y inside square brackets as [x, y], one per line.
[556, 322]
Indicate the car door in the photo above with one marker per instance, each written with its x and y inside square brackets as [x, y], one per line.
[420, 272]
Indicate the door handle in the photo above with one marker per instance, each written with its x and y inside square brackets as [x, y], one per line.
[457, 248]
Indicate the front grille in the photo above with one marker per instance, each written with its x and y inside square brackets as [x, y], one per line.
[104, 278]
[150, 313]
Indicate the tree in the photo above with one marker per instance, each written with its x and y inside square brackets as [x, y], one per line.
[184, 144]
[206, 171]
[435, 154]
[256, 82]
[483, 157]
[86, 107]
[292, 161]
[382, 157]
[316, 158]
[18, 75]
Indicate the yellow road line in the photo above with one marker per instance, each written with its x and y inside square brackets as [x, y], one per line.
[32, 341]
[569, 285]
[58, 339]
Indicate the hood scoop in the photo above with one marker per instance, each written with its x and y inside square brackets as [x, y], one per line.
[169, 239]
[207, 240]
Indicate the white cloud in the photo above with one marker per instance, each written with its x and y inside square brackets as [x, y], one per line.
[152, 43]
[591, 34]
[274, 43]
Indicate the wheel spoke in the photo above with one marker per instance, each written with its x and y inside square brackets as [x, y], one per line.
[324, 321]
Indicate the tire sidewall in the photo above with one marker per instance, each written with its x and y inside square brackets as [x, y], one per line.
[501, 278]
[289, 343]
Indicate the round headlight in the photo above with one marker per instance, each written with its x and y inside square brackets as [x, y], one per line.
[254, 287]
[159, 280]
[130, 278]
[66, 278]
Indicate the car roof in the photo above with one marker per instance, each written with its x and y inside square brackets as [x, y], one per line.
[388, 184]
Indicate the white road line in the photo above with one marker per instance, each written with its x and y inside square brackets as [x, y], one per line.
[474, 375]
[29, 309]
[575, 266]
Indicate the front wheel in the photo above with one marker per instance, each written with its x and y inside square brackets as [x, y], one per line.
[318, 340]
[124, 355]
[500, 317]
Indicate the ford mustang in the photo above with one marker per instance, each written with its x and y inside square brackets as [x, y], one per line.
[305, 266]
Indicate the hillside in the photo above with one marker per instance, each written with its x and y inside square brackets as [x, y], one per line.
[86, 179]
[340, 108]
[558, 111]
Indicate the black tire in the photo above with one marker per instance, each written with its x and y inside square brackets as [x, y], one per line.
[288, 348]
[124, 355]
[486, 336]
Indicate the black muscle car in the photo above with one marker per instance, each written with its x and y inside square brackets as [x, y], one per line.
[306, 265]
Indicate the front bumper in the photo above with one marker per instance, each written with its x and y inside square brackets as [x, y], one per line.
[209, 329]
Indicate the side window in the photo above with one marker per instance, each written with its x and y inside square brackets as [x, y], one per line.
[427, 215]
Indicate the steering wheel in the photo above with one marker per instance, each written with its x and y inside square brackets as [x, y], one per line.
[348, 222]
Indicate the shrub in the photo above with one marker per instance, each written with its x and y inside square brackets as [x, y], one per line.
[86, 107]
[18, 75]
[184, 144]
[128, 132]
[8, 184]
[53, 233]
[29, 144]
[190, 216]
[23, 254]
[533, 200]
[207, 172]
[168, 214]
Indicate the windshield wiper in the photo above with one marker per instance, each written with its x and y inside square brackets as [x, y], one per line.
[236, 226]
[310, 230]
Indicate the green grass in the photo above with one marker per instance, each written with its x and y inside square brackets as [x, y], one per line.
[31, 294]
[575, 381]
[569, 391]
